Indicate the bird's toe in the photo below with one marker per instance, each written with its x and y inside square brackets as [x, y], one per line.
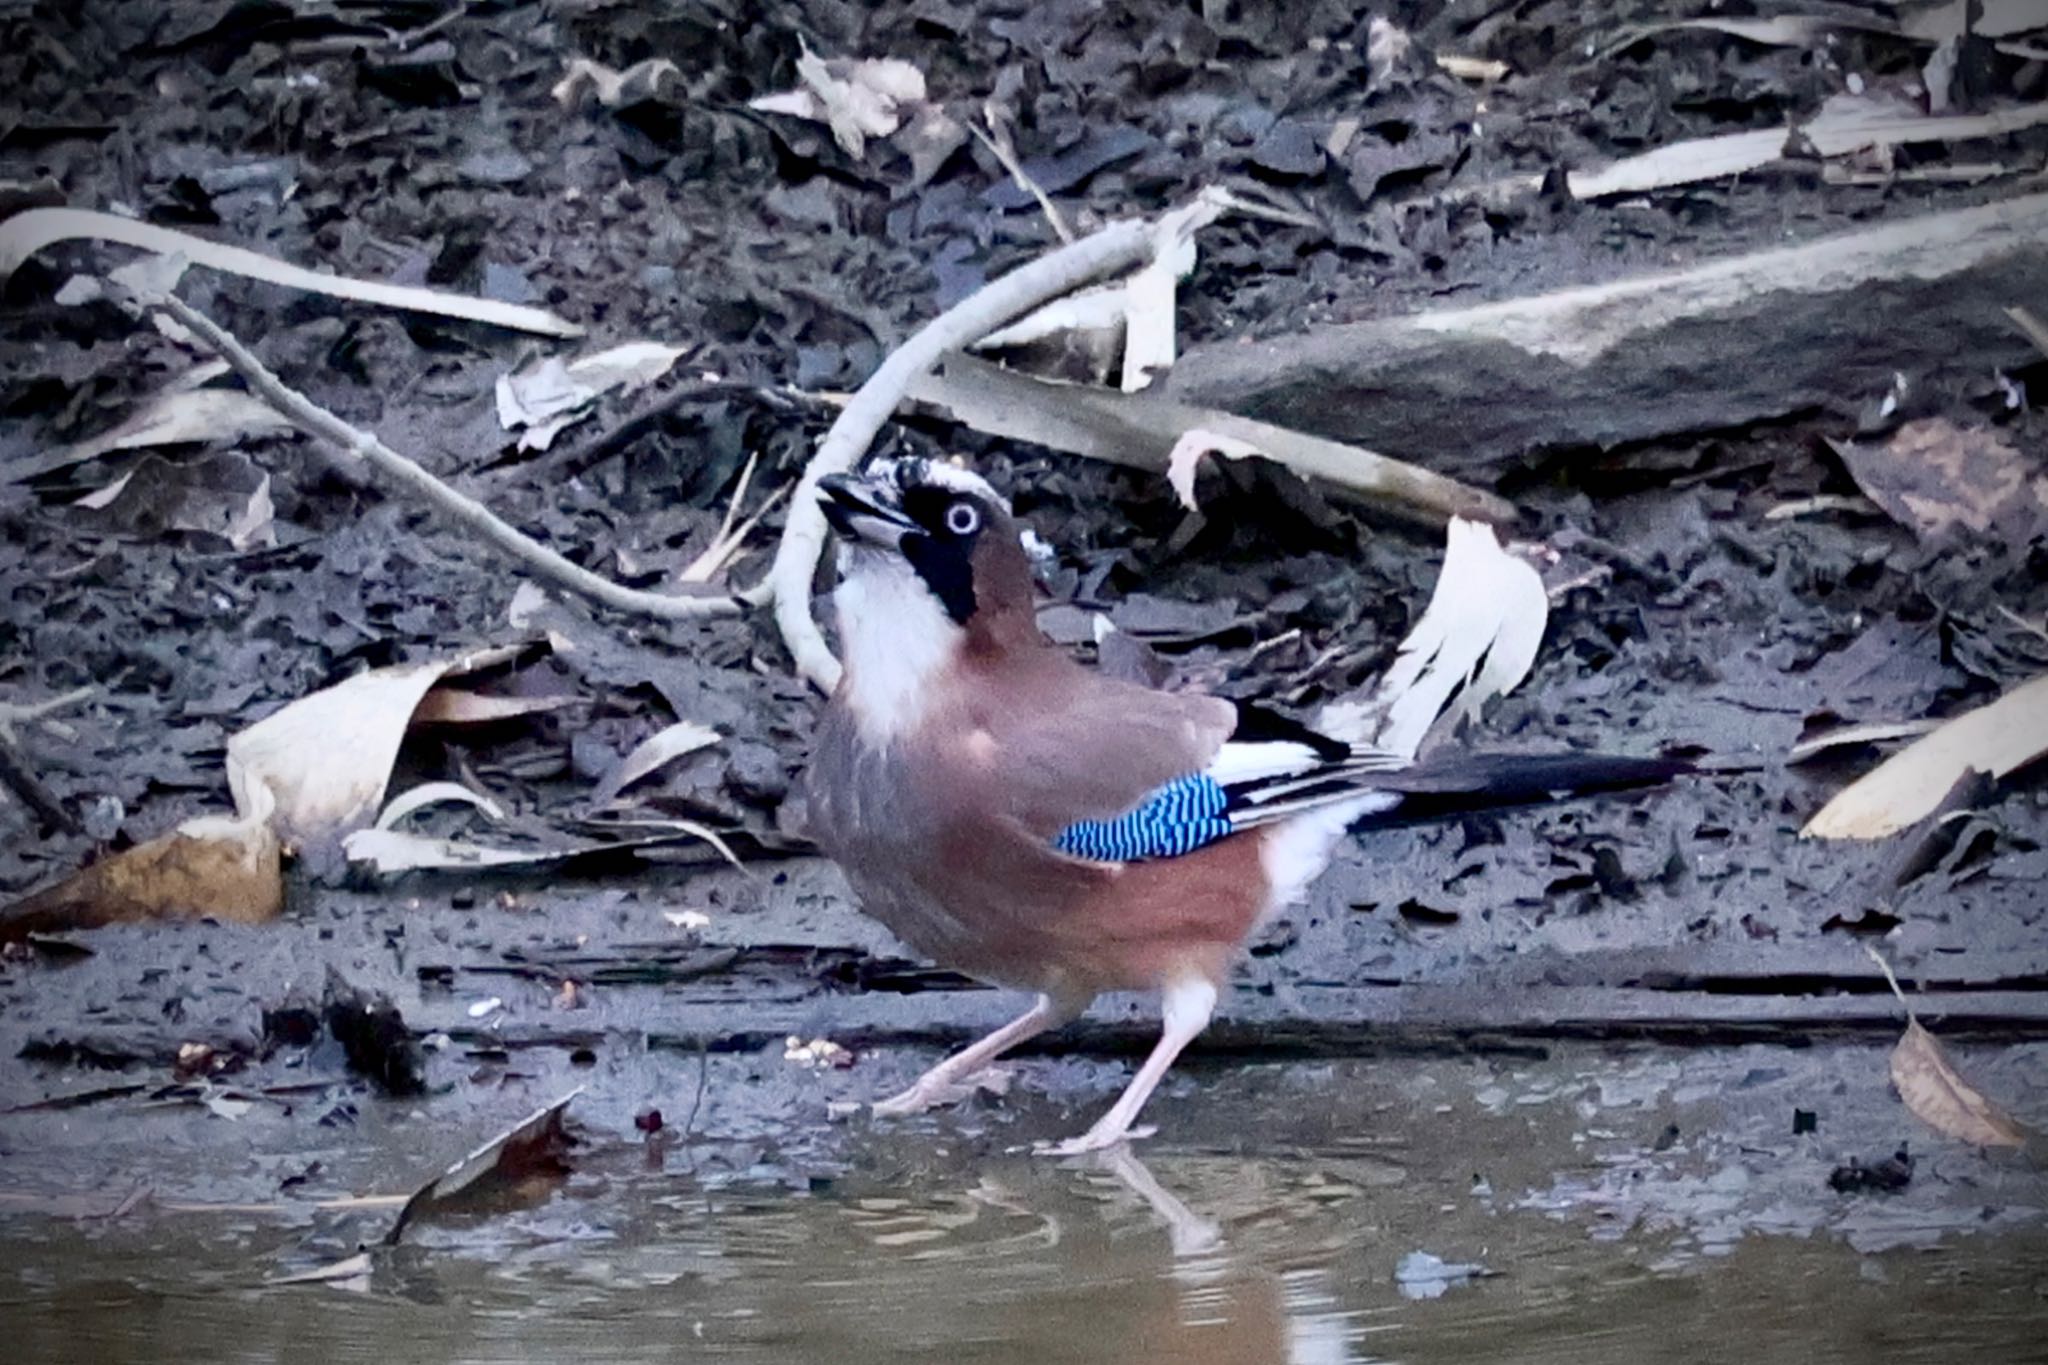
[936, 1093]
[1096, 1139]
[911, 1101]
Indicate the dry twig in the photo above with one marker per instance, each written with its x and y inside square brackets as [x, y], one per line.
[15, 773]
[317, 421]
[13, 714]
[16, 776]
[997, 140]
[718, 555]
[2027, 321]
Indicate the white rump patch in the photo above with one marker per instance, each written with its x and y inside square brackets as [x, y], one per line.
[1294, 852]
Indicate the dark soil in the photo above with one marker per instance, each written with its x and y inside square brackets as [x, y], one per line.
[1692, 914]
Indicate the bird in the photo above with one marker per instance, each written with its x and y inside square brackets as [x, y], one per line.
[1020, 817]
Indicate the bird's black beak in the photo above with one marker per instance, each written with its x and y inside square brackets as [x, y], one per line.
[864, 511]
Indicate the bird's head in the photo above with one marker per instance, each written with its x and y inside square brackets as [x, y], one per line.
[935, 527]
[930, 561]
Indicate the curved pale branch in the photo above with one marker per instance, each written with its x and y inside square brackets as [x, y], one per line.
[803, 538]
[464, 511]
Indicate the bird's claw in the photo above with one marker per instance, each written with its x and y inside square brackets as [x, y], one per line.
[1092, 1141]
[927, 1094]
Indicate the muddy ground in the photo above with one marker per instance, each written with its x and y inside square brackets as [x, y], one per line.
[1658, 936]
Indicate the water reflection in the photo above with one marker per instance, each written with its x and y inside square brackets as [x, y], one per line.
[1098, 1257]
[1189, 1234]
[944, 1243]
[1230, 1311]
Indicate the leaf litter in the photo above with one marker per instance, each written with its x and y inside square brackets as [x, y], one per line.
[518, 1167]
[1930, 1085]
[1944, 481]
[1997, 738]
[225, 868]
[858, 99]
[177, 416]
[542, 400]
[34, 230]
[326, 758]
[222, 497]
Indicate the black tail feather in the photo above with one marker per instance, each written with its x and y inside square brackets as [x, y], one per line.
[1448, 784]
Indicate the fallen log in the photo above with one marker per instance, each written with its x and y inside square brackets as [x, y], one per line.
[1822, 325]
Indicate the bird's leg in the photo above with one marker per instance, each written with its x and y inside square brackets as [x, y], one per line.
[1185, 1010]
[946, 1083]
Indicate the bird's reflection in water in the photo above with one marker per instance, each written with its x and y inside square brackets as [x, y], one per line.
[1225, 1308]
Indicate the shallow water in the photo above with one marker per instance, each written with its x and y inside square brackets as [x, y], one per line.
[1267, 1225]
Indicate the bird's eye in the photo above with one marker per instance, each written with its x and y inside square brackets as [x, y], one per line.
[963, 519]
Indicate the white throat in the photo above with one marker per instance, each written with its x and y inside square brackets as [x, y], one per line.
[895, 636]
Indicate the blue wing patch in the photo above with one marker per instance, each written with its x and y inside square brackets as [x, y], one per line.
[1178, 818]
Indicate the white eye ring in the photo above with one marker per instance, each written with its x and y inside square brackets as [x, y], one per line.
[962, 519]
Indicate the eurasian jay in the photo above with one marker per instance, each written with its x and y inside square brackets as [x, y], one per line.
[1027, 820]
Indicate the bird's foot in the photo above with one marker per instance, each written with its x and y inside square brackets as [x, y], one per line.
[1096, 1139]
[936, 1092]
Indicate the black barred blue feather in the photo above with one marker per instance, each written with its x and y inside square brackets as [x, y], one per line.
[1259, 782]
[1178, 818]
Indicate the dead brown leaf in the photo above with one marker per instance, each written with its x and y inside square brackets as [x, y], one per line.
[29, 232]
[1848, 125]
[215, 867]
[1942, 481]
[652, 754]
[175, 416]
[1943, 1100]
[225, 495]
[1844, 736]
[1931, 1087]
[524, 1161]
[1141, 430]
[328, 756]
[455, 706]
